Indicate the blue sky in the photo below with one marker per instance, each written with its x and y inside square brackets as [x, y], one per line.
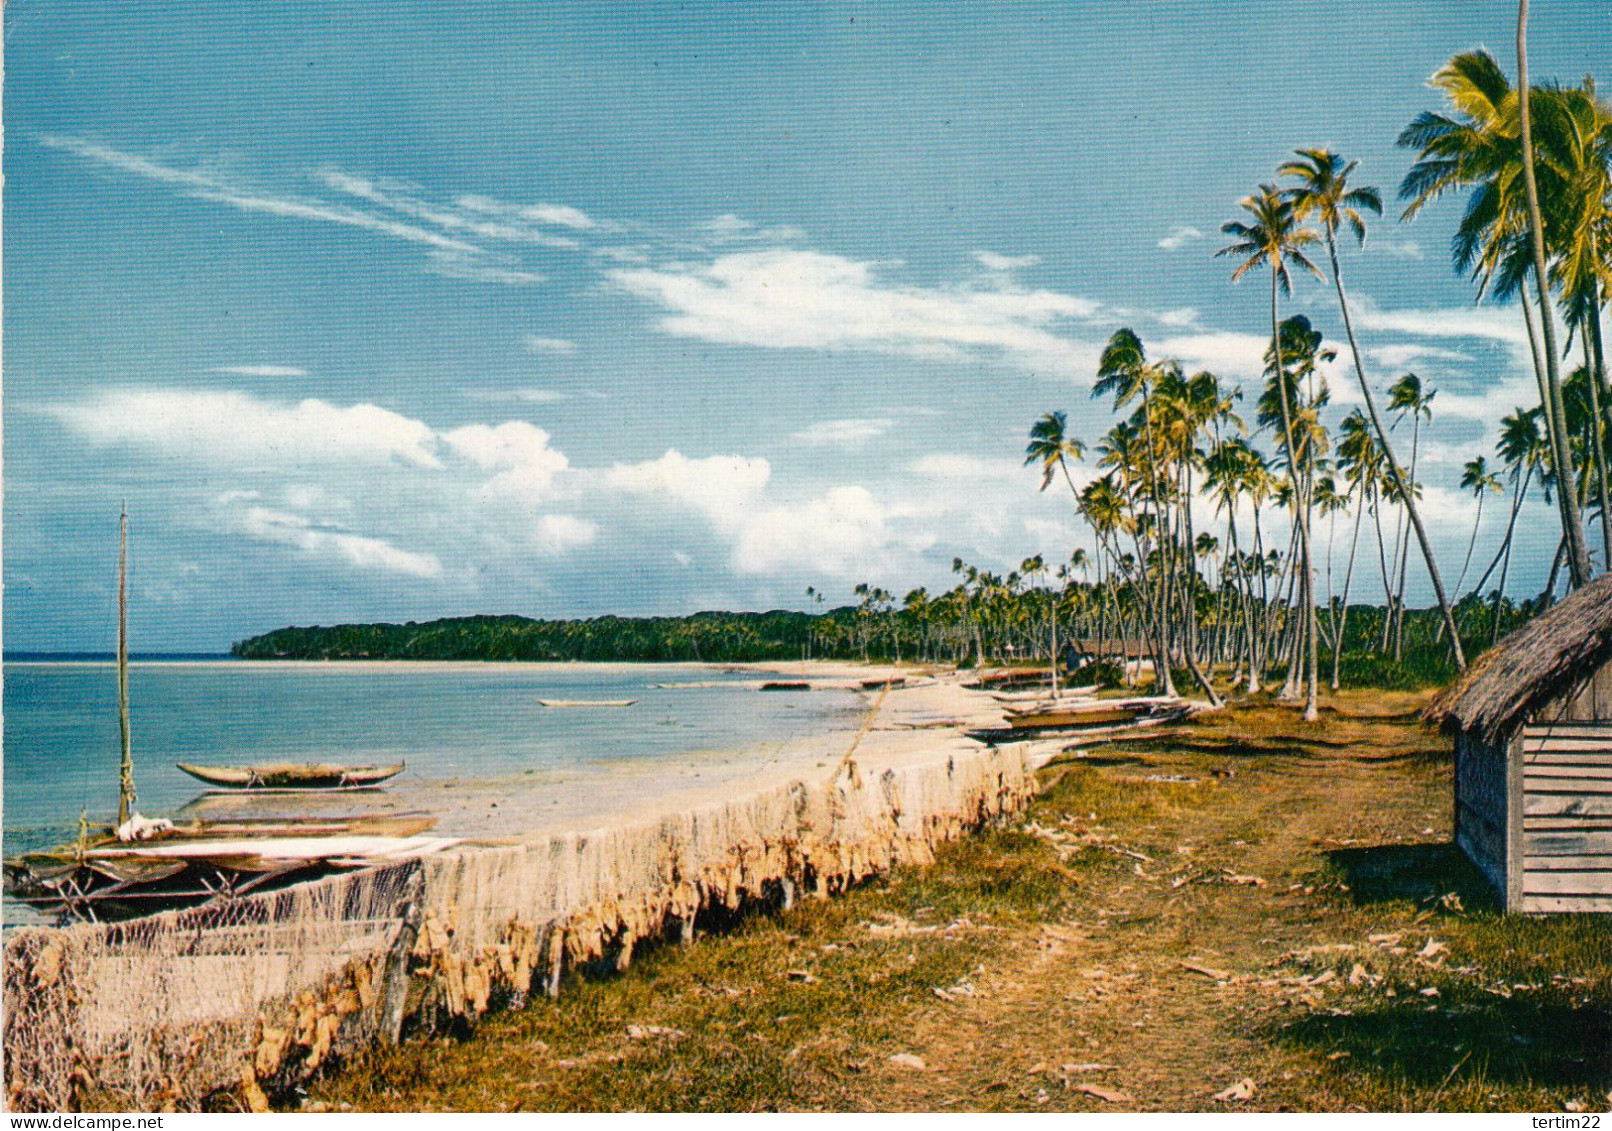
[398, 311]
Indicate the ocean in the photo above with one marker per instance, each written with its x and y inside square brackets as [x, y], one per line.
[482, 754]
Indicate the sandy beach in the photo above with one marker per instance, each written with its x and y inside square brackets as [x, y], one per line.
[924, 721]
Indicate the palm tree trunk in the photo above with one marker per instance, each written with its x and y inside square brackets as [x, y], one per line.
[1300, 504]
[1393, 465]
[1597, 442]
[1472, 544]
[1578, 560]
[1348, 576]
[1404, 549]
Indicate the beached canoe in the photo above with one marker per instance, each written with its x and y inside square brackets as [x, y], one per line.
[587, 702]
[287, 776]
[1100, 712]
[160, 865]
[1042, 696]
[786, 685]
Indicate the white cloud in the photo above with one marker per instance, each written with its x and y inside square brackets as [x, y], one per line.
[844, 433]
[237, 428]
[331, 214]
[559, 215]
[1228, 353]
[1180, 236]
[726, 224]
[561, 533]
[524, 396]
[841, 534]
[791, 299]
[261, 370]
[992, 261]
[1491, 323]
[723, 488]
[539, 344]
[728, 228]
[476, 269]
[357, 550]
[518, 452]
[401, 197]
[1401, 249]
[394, 208]
[1184, 317]
[1409, 353]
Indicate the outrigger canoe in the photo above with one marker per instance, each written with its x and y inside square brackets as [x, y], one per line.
[587, 702]
[1099, 712]
[283, 777]
[158, 865]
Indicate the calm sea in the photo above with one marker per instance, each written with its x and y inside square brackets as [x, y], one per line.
[460, 727]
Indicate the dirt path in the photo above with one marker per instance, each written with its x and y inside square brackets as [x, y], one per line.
[1255, 901]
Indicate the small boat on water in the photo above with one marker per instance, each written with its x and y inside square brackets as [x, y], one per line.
[288, 777]
[587, 702]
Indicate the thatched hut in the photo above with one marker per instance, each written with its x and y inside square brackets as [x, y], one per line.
[1532, 721]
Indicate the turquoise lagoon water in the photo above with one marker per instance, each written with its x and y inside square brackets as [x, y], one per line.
[456, 725]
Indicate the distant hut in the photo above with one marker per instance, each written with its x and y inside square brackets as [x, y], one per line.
[1532, 721]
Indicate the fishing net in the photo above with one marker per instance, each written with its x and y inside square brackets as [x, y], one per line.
[247, 996]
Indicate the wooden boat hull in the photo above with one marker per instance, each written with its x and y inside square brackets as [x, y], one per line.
[587, 702]
[200, 862]
[1102, 717]
[289, 777]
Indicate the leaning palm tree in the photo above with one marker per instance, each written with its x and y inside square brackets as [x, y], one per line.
[1274, 238]
[1324, 192]
[1407, 396]
[1052, 448]
[1477, 478]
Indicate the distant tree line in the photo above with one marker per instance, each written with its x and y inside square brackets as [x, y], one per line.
[984, 621]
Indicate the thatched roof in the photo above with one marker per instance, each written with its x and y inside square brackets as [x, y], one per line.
[1543, 659]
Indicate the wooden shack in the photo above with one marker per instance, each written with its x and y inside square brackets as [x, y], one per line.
[1532, 722]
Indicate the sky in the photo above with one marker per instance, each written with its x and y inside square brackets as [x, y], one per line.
[390, 312]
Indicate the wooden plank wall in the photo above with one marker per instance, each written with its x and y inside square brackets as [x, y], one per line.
[1567, 804]
[1481, 805]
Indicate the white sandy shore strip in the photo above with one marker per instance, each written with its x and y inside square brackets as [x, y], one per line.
[490, 924]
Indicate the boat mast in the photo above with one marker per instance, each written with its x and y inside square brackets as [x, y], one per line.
[126, 764]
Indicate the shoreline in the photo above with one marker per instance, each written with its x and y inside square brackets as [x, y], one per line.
[444, 939]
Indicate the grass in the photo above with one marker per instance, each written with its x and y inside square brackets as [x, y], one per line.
[1305, 870]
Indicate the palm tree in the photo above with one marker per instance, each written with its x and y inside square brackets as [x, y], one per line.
[1488, 146]
[1578, 557]
[1524, 451]
[1477, 478]
[1052, 448]
[1325, 193]
[1275, 238]
[1124, 372]
[1407, 396]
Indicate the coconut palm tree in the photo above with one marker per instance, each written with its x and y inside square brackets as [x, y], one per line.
[1488, 146]
[1407, 396]
[1275, 238]
[1477, 478]
[1324, 192]
[1053, 448]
